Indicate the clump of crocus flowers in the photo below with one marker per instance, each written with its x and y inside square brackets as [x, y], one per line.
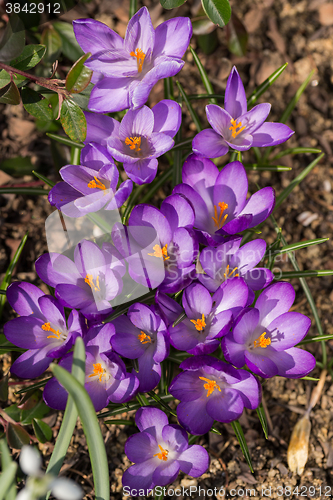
[191, 245]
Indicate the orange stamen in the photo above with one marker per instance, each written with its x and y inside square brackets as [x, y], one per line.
[228, 275]
[133, 143]
[89, 280]
[98, 370]
[96, 184]
[262, 342]
[140, 56]
[47, 328]
[162, 253]
[218, 221]
[235, 126]
[210, 386]
[144, 338]
[163, 455]
[199, 323]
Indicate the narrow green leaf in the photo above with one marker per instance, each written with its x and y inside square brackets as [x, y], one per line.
[51, 40]
[168, 88]
[41, 383]
[286, 192]
[8, 276]
[193, 113]
[242, 441]
[17, 166]
[218, 11]
[6, 461]
[296, 246]
[185, 144]
[10, 94]
[29, 58]
[42, 431]
[36, 105]
[133, 8]
[262, 417]
[312, 379]
[73, 121]
[91, 429]
[29, 191]
[7, 479]
[39, 411]
[119, 422]
[237, 36]
[296, 151]
[171, 4]
[79, 76]
[17, 436]
[13, 39]
[319, 338]
[64, 140]
[116, 408]
[70, 47]
[203, 74]
[265, 85]
[156, 185]
[267, 168]
[4, 388]
[142, 400]
[205, 96]
[47, 181]
[303, 274]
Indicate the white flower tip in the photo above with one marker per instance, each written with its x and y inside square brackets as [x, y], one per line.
[30, 461]
[65, 489]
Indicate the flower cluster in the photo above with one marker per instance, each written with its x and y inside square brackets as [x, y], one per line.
[193, 244]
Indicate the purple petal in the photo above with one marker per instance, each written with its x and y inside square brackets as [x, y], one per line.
[249, 389]
[254, 118]
[202, 215]
[167, 116]
[193, 416]
[235, 99]
[142, 172]
[241, 142]
[88, 257]
[175, 437]
[258, 278]
[93, 35]
[184, 336]
[162, 347]
[94, 155]
[209, 144]
[32, 363]
[169, 308]
[201, 174]
[110, 95]
[271, 134]
[304, 363]
[262, 363]
[240, 223]
[197, 301]
[140, 447]
[187, 386]
[97, 393]
[99, 128]
[54, 268]
[26, 332]
[219, 119]
[137, 122]
[260, 205]
[214, 260]
[114, 63]
[248, 255]
[274, 301]
[62, 194]
[126, 389]
[231, 188]
[152, 420]
[53, 311]
[128, 345]
[140, 476]
[100, 335]
[225, 406]
[160, 143]
[146, 215]
[121, 195]
[166, 473]
[55, 395]
[149, 373]
[178, 212]
[23, 298]
[245, 325]
[74, 296]
[232, 294]
[172, 37]
[140, 33]
[194, 461]
[288, 330]
[233, 352]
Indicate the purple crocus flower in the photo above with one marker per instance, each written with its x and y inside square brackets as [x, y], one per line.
[209, 390]
[41, 328]
[89, 283]
[219, 198]
[142, 136]
[106, 377]
[142, 335]
[237, 128]
[264, 337]
[126, 70]
[91, 186]
[160, 451]
[229, 261]
[208, 318]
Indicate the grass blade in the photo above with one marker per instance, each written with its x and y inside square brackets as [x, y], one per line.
[133, 8]
[242, 441]
[296, 151]
[120, 422]
[64, 140]
[286, 192]
[316, 339]
[29, 191]
[266, 168]
[305, 274]
[205, 96]
[262, 418]
[31, 387]
[185, 144]
[8, 276]
[265, 85]
[193, 113]
[47, 181]
[168, 88]
[7, 479]
[204, 77]
[296, 246]
[156, 184]
[6, 462]
[91, 429]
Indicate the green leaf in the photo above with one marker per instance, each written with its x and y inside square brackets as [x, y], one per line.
[91, 428]
[8, 276]
[265, 85]
[82, 99]
[5, 79]
[17, 436]
[79, 76]
[51, 40]
[10, 94]
[286, 192]
[64, 140]
[19, 166]
[13, 412]
[203, 74]
[73, 121]
[70, 47]
[29, 191]
[296, 246]
[7, 479]
[43, 431]
[242, 441]
[119, 422]
[319, 338]
[13, 39]
[36, 105]
[47, 181]
[192, 111]
[218, 11]
[263, 420]
[237, 36]
[171, 4]
[41, 383]
[30, 57]
[296, 151]
[267, 168]
[303, 274]
[38, 410]
[6, 460]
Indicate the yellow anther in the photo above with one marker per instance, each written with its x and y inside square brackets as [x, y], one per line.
[99, 371]
[89, 280]
[160, 252]
[229, 275]
[261, 341]
[144, 338]
[235, 126]
[218, 220]
[133, 143]
[96, 184]
[163, 455]
[210, 386]
[47, 328]
[140, 57]
[199, 323]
